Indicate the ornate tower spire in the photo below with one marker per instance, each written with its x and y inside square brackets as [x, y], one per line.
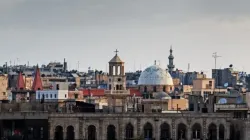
[37, 83]
[20, 82]
[171, 61]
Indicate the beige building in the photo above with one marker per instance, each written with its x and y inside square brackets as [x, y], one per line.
[3, 87]
[205, 86]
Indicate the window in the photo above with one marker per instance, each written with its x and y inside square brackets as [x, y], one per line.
[47, 96]
[55, 95]
[38, 95]
[4, 93]
[65, 95]
[210, 83]
[50, 95]
[119, 79]
[41, 133]
[154, 88]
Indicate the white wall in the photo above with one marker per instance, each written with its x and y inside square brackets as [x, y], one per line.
[52, 94]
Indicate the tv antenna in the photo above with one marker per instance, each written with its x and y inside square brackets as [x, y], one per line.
[215, 56]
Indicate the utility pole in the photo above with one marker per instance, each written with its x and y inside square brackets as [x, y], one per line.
[215, 56]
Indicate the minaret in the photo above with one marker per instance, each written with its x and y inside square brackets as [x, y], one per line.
[116, 83]
[37, 83]
[171, 61]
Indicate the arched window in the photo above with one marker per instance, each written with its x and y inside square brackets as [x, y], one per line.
[182, 131]
[212, 132]
[111, 133]
[196, 131]
[129, 131]
[221, 132]
[70, 133]
[148, 131]
[58, 133]
[164, 88]
[92, 132]
[165, 132]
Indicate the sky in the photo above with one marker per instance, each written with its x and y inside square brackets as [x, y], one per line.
[89, 31]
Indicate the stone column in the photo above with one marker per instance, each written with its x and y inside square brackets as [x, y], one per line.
[81, 129]
[121, 130]
[64, 133]
[189, 133]
[51, 131]
[217, 131]
[114, 104]
[227, 131]
[173, 129]
[101, 130]
[204, 135]
[157, 132]
[123, 105]
[116, 70]
[138, 127]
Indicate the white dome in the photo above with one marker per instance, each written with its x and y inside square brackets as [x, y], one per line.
[155, 75]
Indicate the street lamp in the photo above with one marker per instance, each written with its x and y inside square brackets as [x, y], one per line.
[89, 94]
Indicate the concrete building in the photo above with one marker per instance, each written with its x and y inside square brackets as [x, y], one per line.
[227, 75]
[205, 87]
[3, 87]
[52, 95]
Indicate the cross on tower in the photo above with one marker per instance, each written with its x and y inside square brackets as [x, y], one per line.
[116, 51]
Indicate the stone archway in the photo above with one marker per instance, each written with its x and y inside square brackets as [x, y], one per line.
[58, 133]
[196, 131]
[182, 132]
[212, 132]
[165, 132]
[148, 131]
[221, 132]
[70, 133]
[92, 132]
[129, 134]
[111, 133]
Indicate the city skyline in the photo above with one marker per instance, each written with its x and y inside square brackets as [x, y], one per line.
[90, 31]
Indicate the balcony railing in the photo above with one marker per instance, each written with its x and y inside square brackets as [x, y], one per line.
[121, 92]
[230, 107]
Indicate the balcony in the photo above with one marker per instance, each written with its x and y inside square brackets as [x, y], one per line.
[232, 107]
[117, 92]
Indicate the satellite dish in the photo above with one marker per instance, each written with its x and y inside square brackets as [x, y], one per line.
[239, 100]
[222, 101]
[226, 85]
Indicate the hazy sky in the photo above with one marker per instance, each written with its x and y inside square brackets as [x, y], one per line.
[89, 31]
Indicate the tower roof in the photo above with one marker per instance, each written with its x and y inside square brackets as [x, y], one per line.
[37, 83]
[116, 58]
[20, 81]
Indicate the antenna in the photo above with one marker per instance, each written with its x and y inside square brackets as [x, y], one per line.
[78, 64]
[188, 67]
[215, 56]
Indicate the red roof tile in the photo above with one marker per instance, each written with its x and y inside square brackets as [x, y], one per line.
[135, 91]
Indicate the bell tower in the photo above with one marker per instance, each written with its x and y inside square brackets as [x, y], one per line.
[116, 89]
